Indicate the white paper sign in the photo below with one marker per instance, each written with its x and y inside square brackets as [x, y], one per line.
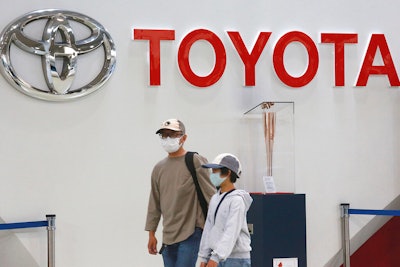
[269, 184]
[285, 262]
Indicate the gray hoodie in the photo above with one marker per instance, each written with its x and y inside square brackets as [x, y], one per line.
[227, 236]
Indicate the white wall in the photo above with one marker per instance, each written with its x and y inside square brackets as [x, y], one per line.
[89, 161]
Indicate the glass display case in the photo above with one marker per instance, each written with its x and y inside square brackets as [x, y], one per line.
[267, 148]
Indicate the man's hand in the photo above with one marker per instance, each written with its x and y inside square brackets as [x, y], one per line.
[152, 245]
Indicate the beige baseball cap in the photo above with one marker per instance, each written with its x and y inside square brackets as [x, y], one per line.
[172, 124]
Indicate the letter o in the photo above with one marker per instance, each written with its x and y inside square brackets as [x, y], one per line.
[220, 58]
[313, 60]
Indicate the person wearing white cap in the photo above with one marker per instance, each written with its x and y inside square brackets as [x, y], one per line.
[173, 197]
[226, 238]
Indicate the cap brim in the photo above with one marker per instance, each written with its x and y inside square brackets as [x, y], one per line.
[212, 165]
[167, 128]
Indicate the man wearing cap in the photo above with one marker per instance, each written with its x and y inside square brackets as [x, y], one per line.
[226, 238]
[173, 196]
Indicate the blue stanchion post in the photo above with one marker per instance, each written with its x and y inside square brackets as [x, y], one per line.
[345, 234]
[51, 227]
[50, 223]
[345, 213]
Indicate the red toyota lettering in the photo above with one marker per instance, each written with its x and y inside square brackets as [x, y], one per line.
[249, 60]
[154, 37]
[339, 40]
[278, 57]
[183, 58]
[388, 68]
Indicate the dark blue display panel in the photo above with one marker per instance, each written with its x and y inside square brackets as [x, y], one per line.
[278, 228]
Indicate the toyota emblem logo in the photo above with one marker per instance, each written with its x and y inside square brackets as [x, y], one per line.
[65, 37]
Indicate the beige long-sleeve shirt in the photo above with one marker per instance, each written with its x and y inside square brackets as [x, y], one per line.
[173, 196]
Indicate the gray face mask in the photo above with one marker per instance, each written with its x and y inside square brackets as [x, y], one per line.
[171, 145]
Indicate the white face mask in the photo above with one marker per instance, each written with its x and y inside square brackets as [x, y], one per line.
[171, 145]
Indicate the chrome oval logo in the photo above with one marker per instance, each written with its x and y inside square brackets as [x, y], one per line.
[65, 38]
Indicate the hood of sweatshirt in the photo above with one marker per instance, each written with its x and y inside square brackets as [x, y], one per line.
[245, 195]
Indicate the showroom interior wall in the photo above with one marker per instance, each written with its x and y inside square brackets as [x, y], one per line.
[89, 160]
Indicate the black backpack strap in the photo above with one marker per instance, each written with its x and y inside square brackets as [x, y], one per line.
[219, 204]
[200, 196]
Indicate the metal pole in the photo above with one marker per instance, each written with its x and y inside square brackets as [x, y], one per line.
[345, 234]
[51, 227]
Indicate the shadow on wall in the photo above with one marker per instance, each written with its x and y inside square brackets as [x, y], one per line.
[12, 252]
[376, 244]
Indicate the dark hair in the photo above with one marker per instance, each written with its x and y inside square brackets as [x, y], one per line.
[233, 176]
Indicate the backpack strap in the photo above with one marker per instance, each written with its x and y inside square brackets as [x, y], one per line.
[219, 204]
[200, 196]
